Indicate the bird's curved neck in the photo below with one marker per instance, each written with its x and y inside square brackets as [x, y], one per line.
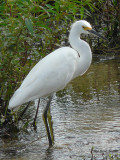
[82, 47]
[78, 44]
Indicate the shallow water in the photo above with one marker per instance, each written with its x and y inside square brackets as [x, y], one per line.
[85, 114]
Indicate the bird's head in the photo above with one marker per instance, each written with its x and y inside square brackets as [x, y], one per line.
[83, 26]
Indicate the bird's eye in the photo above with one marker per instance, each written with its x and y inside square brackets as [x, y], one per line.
[83, 27]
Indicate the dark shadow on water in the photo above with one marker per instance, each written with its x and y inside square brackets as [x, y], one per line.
[49, 154]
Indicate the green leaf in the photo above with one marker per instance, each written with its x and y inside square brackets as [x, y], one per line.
[45, 27]
[29, 25]
[82, 12]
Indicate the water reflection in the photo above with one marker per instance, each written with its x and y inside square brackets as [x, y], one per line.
[85, 114]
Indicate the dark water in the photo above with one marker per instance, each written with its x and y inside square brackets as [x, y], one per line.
[85, 114]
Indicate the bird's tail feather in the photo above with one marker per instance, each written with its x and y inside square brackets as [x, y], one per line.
[17, 99]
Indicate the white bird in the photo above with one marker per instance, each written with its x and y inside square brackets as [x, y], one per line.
[57, 69]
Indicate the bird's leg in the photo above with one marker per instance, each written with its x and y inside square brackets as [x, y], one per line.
[45, 121]
[50, 124]
[34, 122]
[21, 114]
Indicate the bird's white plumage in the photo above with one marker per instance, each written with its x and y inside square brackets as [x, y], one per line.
[57, 69]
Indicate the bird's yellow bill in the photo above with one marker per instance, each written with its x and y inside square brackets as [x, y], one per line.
[87, 28]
